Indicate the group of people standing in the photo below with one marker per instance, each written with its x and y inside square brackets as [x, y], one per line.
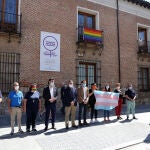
[70, 96]
[86, 99]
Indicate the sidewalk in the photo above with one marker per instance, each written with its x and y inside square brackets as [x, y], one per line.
[97, 136]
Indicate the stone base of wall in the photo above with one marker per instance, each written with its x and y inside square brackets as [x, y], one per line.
[143, 98]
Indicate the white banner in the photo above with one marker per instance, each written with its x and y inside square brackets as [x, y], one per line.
[50, 51]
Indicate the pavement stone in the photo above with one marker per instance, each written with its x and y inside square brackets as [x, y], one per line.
[115, 135]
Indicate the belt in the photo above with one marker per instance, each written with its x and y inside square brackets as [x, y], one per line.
[17, 106]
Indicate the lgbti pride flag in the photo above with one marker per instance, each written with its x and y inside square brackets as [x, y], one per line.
[106, 100]
[92, 35]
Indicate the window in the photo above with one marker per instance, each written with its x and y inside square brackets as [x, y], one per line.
[9, 70]
[143, 79]
[8, 11]
[142, 38]
[89, 71]
[86, 20]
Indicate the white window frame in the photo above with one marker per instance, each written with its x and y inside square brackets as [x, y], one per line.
[89, 11]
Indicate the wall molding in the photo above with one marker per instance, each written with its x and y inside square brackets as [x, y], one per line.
[125, 6]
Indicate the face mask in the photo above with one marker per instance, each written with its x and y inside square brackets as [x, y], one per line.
[118, 87]
[70, 85]
[84, 85]
[16, 88]
[33, 90]
[107, 87]
[51, 84]
[130, 88]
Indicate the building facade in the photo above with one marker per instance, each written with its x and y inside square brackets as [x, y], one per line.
[120, 54]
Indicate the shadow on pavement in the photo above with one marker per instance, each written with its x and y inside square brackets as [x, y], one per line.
[126, 121]
[16, 135]
[64, 130]
[147, 139]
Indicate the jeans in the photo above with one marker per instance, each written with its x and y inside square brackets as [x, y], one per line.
[106, 113]
[130, 106]
[82, 107]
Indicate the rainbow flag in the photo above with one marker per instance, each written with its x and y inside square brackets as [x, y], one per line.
[106, 100]
[92, 35]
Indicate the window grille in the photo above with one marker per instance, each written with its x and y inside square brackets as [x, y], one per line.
[9, 70]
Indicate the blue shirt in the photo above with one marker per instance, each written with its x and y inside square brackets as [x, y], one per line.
[15, 98]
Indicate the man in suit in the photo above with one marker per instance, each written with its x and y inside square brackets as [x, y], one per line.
[82, 100]
[70, 104]
[50, 95]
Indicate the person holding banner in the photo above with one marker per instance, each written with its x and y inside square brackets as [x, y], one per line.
[130, 97]
[0, 96]
[119, 107]
[92, 101]
[107, 112]
[82, 100]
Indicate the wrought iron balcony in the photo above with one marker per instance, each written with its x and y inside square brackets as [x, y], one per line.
[10, 23]
[89, 36]
[144, 47]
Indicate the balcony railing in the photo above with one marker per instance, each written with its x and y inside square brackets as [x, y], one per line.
[10, 23]
[144, 47]
[92, 36]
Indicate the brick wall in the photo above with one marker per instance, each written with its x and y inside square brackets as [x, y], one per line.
[61, 17]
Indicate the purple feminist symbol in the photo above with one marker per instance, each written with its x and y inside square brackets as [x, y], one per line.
[50, 44]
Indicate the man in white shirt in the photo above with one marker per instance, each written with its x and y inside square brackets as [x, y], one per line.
[50, 95]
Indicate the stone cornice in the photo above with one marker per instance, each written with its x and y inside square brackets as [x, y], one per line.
[125, 6]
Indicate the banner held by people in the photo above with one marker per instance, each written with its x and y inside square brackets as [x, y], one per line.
[106, 100]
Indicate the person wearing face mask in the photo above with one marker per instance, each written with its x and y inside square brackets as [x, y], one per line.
[130, 100]
[15, 99]
[119, 107]
[82, 97]
[32, 105]
[63, 98]
[107, 112]
[92, 101]
[70, 104]
[50, 95]
[0, 96]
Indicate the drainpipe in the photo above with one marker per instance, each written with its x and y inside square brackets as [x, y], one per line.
[118, 42]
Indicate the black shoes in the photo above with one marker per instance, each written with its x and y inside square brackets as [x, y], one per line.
[67, 127]
[134, 118]
[119, 118]
[28, 130]
[85, 123]
[12, 133]
[80, 124]
[74, 126]
[53, 127]
[34, 130]
[46, 128]
[20, 131]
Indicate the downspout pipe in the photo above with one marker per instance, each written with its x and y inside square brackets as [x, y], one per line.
[118, 41]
